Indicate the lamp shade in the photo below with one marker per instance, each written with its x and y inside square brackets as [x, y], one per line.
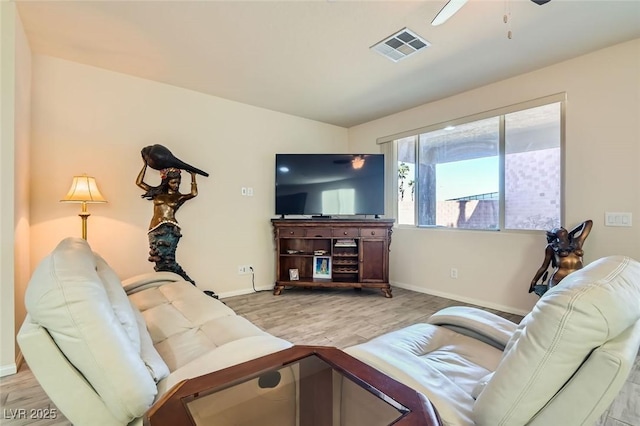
[84, 190]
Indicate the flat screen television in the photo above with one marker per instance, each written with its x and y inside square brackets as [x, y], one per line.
[329, 184]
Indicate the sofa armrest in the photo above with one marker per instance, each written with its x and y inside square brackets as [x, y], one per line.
[151, 279]
[482, 325]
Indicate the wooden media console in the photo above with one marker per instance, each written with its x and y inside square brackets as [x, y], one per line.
[332, 253]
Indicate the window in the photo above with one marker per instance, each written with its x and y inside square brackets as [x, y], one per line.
[339, 201]
[498, 170]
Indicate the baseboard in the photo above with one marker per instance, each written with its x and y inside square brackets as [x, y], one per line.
[459, 298]
[8, 370]
[243, 292]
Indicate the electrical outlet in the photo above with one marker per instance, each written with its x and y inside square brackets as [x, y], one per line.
[245, 269]
[454, 273]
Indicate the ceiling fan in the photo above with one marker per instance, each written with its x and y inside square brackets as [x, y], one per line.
[453, 6]
[356, 162]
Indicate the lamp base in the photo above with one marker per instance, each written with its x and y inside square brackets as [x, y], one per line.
[84, 215]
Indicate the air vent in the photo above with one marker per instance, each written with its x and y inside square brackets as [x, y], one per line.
[400, 45]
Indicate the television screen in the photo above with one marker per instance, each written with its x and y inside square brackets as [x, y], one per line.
[329, 184]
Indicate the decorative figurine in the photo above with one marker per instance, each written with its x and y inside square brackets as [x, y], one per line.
[164, 230]
[564, 253]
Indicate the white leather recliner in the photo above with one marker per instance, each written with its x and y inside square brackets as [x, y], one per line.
[104, 350]
[562, 365]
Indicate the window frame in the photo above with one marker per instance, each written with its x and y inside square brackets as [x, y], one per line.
[388, 146]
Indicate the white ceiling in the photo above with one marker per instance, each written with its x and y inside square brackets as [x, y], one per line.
[312, 58]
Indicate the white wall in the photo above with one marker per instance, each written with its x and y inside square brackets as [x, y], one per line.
[15, 80]
[89, 120]
[602, 174]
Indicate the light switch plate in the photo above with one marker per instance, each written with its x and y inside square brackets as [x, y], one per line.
[617, 219]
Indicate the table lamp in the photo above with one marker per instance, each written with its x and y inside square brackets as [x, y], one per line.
[83, 190]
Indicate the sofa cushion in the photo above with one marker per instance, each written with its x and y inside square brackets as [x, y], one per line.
[440, 363]
[67, 297]
[590, 307]
[232, 353]
[184, 325]
[152, 359]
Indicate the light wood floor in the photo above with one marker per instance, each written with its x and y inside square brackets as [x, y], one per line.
[338, 318]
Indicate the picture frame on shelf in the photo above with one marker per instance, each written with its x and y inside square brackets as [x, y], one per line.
[294, 275]
[322, 267]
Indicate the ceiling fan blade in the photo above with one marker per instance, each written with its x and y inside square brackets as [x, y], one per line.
[447, 11]
[540, 2]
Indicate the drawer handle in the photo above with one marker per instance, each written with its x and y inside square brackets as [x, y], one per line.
[373, 232]
[345, 233]
[318, 236]
[291, 232]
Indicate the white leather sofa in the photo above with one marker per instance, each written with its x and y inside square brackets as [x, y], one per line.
[105, 350]
[562, 365]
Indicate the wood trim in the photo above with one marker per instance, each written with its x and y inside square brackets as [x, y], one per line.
[171, 409]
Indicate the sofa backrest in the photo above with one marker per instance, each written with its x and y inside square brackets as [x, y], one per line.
[74, 295]
[571, 353]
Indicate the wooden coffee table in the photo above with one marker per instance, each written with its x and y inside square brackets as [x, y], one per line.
[304, 385]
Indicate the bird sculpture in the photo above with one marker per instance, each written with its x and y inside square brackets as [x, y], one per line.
[159, 157]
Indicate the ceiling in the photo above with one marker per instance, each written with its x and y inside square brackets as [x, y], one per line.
[312, 58]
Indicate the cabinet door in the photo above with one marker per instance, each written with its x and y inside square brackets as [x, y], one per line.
[373, 260]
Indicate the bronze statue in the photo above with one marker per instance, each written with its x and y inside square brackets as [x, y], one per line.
[564, 253]
[164, 230]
